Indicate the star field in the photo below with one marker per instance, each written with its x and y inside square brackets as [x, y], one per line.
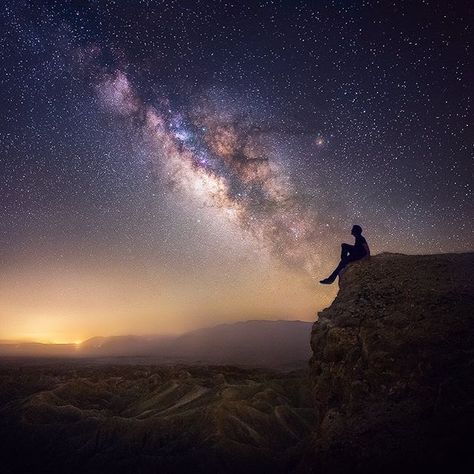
[220, 151]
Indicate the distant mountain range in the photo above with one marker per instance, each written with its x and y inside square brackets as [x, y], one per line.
[256, 343]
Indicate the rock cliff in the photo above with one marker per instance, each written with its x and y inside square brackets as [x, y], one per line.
[392, 366]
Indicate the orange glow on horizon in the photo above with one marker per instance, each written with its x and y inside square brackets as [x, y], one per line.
[72, 302]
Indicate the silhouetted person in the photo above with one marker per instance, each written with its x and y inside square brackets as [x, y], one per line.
[350, 253]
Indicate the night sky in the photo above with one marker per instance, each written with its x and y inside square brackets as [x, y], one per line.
[167, 165]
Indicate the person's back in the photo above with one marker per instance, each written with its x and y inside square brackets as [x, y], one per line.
[361, 248]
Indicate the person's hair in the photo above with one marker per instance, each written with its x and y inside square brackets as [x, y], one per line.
[357, 229]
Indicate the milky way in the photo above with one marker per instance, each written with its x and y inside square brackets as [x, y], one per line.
[216, 159]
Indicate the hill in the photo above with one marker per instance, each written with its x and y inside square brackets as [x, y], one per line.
[250, 343]
[78, 418]
[276, 344]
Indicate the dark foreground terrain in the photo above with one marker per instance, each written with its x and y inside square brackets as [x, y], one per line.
[389, 389]
[77, 417]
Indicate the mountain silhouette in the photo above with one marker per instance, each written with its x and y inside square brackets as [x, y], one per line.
[256, 343]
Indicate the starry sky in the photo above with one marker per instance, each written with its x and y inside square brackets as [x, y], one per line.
[168, 165]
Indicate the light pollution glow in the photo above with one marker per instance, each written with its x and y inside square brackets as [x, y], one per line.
[57, 304]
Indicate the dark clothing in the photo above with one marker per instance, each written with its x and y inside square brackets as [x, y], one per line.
[350, 253]
[359, 248]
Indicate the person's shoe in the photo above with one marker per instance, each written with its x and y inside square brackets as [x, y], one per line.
[326, 281]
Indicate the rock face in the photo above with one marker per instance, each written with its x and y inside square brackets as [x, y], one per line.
[392, 366]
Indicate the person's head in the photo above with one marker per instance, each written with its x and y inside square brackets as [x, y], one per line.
[356, 230]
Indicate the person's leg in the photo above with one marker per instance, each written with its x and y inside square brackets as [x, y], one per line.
[346, 258]
[335, 273]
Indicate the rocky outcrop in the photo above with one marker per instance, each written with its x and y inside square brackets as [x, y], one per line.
[392, 366]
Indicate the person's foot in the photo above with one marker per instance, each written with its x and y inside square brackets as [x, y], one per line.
[326, 281]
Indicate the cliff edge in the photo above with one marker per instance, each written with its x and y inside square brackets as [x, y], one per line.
[392, 366]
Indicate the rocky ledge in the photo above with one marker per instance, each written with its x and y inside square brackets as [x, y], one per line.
[392, 367]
